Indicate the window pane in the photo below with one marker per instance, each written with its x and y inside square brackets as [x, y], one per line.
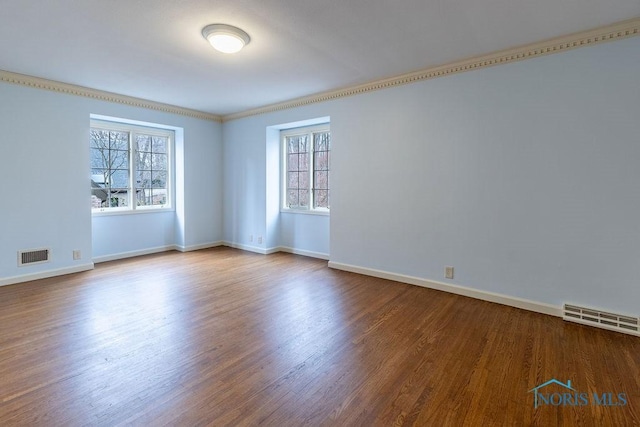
[118, 159]
[119, 179]
[321, 141]
[160, 144]
[303, 162]
[143, 143]
[292, 180]
[118, 140]
[159, 196]
[292, 145]
[292, 198]
[99, 158]
[95, 159]
[321, 180]
[151, 188]
[143, 161]
[321, 198]
[99, 139]
[118, 198]
[304, 198]
[304, 143]
[96, 202]
[143, 196]
[292, 162]
[151, 196]
[303, 180]
[321, 161]
[159, 162]
[159, 179]
[98, 177]
[143, 179]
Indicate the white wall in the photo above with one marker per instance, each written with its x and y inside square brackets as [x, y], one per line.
[524, 177]
[252, 186]
[44, 159]
[49, 197]
[197, 219]
[120, 236]
[203, 190]
[305, 233]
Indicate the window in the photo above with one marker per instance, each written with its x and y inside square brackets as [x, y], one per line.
[306, 168]
[130, 167]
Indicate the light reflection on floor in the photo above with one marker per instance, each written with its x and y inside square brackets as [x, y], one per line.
[134, 334]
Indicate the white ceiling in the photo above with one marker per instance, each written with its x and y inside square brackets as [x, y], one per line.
[153, 49]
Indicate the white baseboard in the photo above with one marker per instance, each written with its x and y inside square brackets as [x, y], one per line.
[198, 247]
[158, 249]
[249, 248]
[303, 252]
[412, 280]
[273, 250]
[525, 304]
[106, 258]
[45, 274]
[131, 254]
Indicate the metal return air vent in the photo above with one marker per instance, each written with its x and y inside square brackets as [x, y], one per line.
[602, 319]
[34, 256]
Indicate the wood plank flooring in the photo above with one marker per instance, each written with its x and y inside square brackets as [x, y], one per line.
[224, 337]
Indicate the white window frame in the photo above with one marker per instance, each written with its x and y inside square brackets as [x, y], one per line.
[307, 130]
[133, 129]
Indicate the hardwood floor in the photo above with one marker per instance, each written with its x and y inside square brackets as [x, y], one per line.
[224, 337]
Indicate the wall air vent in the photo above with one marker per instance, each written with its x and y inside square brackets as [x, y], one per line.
[33, 256]
[602, 319]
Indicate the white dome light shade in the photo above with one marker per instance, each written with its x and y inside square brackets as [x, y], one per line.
[225, 38]
[226, 43]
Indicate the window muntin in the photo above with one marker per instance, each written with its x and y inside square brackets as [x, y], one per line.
[130, 167]
[306, 168]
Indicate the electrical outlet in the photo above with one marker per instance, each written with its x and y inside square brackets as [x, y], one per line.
[77, 255]
[259, 240]
[448, 272]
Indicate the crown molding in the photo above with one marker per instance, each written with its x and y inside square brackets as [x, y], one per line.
[617, 31]
[55, 86]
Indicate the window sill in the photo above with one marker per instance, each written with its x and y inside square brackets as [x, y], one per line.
[131, 211]
[305, 212]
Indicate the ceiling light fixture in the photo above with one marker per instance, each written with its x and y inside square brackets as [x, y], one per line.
[225, 38]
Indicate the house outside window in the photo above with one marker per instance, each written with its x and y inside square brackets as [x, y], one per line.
[130, 167]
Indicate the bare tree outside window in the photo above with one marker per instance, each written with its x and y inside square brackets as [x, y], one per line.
[151, 170]
[297, 171]
[110, 167]
[306, 168]
[321, 157]
[129, 167]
